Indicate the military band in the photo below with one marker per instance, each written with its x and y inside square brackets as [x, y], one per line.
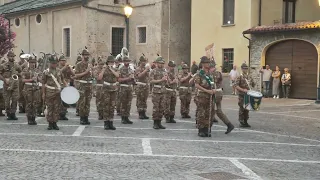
[115, 82]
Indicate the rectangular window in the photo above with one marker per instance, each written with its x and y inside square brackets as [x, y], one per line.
[228, 57]
[66, 41]
[289, 14]
[142, 35]
[117, 40]
[228, 12]
[116, 1]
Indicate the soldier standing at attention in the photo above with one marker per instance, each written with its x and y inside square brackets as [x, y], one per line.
[217, 78]
[76, 84]
[99, 94]
[126, 80]
[31, 76]
[51, 88]
[9, 72]
[118, 106]
[185, 91]
[22, 103]
[171, 95]
[66, 72]
[159, 78]
[108, 75]
[242, 85]
[142, 88]
[203, 83]
[40, 103]
[83, 73]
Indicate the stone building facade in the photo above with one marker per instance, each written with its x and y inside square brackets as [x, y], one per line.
[67, 26]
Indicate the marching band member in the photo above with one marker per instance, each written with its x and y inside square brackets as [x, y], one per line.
[159, 78]
[118, 102]
[83, 73]
[23, 63]
[242, 85]
[51, 88]
[185, 91]
[9, 72]
[76, 84]
[99, 94]
[126, 80]
[109, 76]
[31, 90]
[217, 78]
[171, 95]
[142, 88]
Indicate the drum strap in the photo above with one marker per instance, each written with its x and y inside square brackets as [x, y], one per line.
[55, 81]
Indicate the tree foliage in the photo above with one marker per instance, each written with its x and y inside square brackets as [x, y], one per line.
[6, 36]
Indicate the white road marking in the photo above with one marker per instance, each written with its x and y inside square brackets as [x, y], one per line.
[245, 169]
[79, 131]
[165, 139]
[147, 150]
[161, 155]
[284, 112]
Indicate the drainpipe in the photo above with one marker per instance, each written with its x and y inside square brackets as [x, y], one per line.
[248, 47]
[169, 32]
[260, 9]
[127, 32]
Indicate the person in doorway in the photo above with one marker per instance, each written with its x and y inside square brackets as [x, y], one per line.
[233, 76]
[266, 76]
[286, 83]
[276, 82]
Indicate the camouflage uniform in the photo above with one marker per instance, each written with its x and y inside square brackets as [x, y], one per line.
[242, 82]
[118, 105]
[31, 90]
[217, 78]
[171, 95]
[85, 89]
[52, 80]
[185, 91]
[203, 101]
[109, 94]
[66, 72]
[158, 93]
[76, 85]
[22, 102]
[126, 92]
[11, 90]
[40, 103]
[99, 88]
[142, 88]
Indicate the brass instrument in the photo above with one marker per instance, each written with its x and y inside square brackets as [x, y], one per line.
[13, 79]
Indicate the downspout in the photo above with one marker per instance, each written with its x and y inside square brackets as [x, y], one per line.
[248, 47]
[169, 31]
[260, 10]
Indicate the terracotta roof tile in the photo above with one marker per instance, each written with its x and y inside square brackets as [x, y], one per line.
[284, 27]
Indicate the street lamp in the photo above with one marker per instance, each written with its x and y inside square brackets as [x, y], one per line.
[127, 11]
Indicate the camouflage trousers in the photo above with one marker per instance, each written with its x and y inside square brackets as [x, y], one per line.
[22, 99]
[2, 103]
[158, 100]
[108, 103]
[85, 91]
[142, 92]
[171, 101]
[40, 104]
[125, 100]
[185, 98]
[203, 114]
[118, 101]
[100, 98]
[11, 99]
[53, 102]
[243, 113]
[217, 110]
[31, 98]
[195, 100]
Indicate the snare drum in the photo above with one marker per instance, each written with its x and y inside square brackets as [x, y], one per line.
[252, 100]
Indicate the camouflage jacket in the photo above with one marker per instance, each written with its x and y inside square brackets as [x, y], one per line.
[217, 78]
[82, 67]
[243, 81]
[143, 79]
[157, 74]
[125, 72]
[171, 77]
[29, 73]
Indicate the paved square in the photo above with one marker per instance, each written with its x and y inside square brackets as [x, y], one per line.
[283, 143]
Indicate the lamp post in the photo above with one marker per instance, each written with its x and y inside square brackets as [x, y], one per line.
[127, 11]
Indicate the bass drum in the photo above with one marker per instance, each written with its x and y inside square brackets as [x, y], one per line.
[70, 95]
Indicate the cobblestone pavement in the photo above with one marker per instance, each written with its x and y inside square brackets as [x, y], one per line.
[283, 143]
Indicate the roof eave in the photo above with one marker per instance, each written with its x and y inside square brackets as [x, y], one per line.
[276, 31]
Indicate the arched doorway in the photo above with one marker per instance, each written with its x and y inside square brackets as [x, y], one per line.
[301, 58]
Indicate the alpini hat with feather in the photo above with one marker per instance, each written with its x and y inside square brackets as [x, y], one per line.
[159, 60]
[185, 66]
[111, 58]
[244, 66]
[143, 58]
[171, 64]
[62, 58]
[85, 52]
[204, 59]
[53, 59]
[11, 54]
[32, 59]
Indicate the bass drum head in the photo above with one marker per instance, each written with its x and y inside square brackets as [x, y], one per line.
[256, 94]
[70, 95]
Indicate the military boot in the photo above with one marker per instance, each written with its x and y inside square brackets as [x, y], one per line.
[29, 120]
[106, 125]
[172, 119]
[186, 116]
[82, 120]
[63, 117]
[144, 115]
[11, 117]
[243, 124]
[207, 132]
[21, 110]
[246, 122]
[111, 125]
[54, 126]
[50, 126]
[87, 122]
[128, 120]
[168, 119]
[155, 124]
[34, 121]
[201, 132]
[160, 125]
[230, 128]
[100, 116]
[141, 115]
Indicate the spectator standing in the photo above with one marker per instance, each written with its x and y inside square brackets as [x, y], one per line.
[276, 82]
[234, 74]
[194, 67]
[286, 83]
[266, 76]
